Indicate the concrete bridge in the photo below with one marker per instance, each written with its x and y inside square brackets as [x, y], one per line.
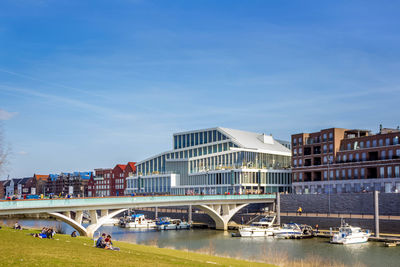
[220, 208]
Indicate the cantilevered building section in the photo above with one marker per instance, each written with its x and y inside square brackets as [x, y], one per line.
[216, 161]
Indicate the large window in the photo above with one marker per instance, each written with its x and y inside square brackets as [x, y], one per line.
[382, 172]
[395, 140]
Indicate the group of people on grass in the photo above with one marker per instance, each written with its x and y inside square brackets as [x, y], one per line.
[105, 242]
[47, 232]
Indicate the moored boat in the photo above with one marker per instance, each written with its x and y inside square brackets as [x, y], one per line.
[166, 223]
[350, 235]
[261, 228]
[287, 230]
[136, 221]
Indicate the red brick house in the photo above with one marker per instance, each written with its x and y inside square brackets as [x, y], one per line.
[119, 180]
[101, 183]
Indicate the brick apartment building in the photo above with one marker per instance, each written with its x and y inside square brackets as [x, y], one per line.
[111, 182]
[100, 183]
[343, 160]
[75, 183]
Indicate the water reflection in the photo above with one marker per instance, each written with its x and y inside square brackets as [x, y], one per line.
[261, 249]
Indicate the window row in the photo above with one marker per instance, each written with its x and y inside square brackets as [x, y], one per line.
[199, 138]
[158, 164]
[375, 143]
[357, 173]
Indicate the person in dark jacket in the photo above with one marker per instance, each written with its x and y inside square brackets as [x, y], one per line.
[100, 243]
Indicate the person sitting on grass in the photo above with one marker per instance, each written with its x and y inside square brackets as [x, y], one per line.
[109, 244]
[100, 243]
[17, 226]
[73, 234]
[50, 233]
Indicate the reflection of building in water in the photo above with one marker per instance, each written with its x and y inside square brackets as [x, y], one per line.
[215, 161]
[339, 160]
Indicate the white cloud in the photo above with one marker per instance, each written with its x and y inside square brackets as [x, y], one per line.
[5, 115]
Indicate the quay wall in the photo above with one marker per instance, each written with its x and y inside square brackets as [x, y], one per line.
[354, 203]
[385, 226]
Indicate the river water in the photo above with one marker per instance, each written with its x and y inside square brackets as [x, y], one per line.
[261, 249]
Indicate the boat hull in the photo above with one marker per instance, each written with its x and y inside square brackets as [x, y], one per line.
[173, 226]
[137, 225]
[255, 232]
[353, 240]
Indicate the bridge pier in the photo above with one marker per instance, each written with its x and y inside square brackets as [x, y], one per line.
[96, 222]
[190, 209]
[221, 214]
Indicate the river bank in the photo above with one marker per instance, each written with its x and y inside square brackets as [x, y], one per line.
[282, 252]
[18, 247]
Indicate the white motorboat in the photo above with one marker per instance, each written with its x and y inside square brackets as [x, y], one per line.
[166, 223]
[137, 221]
[350, 235]
[287, 230]
[255, 231]
[261, 228]
[111, 222]
[267, 221]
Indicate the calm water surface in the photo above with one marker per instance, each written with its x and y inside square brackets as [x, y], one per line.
[263, 249]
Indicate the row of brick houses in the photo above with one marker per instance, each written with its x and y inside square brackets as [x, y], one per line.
[23, 186]
[103, 182]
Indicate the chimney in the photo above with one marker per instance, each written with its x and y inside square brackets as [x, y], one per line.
[266, 139]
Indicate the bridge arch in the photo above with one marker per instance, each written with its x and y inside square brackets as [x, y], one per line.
[68, 220]
[221, 214]
[77, 223]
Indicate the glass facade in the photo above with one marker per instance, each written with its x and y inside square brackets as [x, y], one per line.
[213, 163]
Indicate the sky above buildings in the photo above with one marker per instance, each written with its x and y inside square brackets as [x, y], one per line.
[89, 84]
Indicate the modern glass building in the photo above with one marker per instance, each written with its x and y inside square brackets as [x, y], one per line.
[215, 161]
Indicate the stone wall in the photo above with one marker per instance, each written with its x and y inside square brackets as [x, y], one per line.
[357, 203]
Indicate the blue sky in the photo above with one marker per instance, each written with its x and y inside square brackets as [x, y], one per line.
[88, 84]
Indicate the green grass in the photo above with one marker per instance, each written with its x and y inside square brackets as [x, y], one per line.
[17, 247]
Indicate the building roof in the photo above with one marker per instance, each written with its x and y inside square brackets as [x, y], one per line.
[41, 176]
[256, 141]
[132, 165]
[121, 166]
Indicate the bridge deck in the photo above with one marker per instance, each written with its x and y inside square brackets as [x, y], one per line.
[47, 205]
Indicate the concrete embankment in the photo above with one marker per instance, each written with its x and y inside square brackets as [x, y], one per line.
[357, 209]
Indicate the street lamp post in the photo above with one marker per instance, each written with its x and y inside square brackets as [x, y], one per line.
[329, 187]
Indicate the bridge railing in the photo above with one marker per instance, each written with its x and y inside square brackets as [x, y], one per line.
[95, 201]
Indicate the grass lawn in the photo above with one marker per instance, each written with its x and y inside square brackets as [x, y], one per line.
[17, 247]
